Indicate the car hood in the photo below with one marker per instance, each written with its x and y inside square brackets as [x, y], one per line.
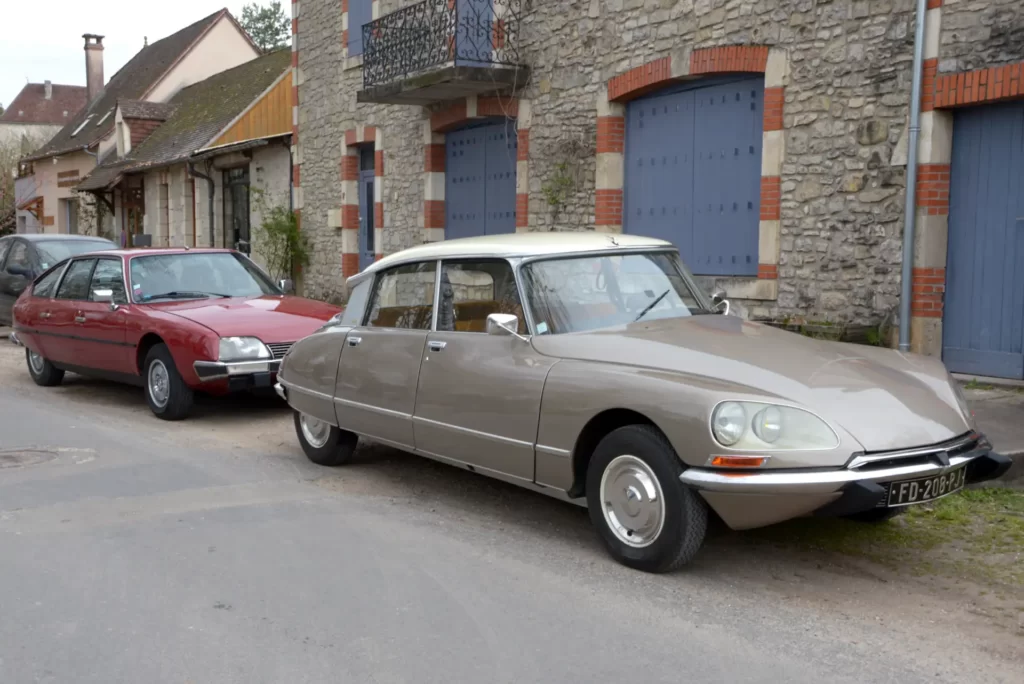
[883, 398]
[270, 318]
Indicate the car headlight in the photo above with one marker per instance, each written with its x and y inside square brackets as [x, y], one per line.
[242, 349]
[751, 425]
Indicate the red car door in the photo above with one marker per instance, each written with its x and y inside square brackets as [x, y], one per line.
[35, 312]
[62, 320]
[100, 320]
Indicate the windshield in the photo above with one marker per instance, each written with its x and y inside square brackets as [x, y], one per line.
[52, 251]
[196, 276]
[586, 293]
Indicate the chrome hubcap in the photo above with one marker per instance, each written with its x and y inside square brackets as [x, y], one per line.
[36, 362]
[632, 501]
[315, 431]
[159, 383]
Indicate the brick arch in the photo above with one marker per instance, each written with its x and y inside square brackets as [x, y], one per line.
[681, 67]
[348, 218]
[461, 113]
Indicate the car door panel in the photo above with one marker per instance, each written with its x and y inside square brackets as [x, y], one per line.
[312, 374]
[479, 401]
[61, 326]
[14, 277]
[101, 327]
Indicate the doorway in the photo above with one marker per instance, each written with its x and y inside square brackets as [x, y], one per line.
[236, 210]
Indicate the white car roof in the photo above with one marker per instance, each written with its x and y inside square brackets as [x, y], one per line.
[519, 245]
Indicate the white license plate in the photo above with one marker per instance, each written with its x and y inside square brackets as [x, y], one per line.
[910, 492]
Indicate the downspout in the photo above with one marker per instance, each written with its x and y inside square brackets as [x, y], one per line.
[910, 209]
[195, 174]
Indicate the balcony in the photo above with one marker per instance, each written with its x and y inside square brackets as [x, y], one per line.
[440, 50]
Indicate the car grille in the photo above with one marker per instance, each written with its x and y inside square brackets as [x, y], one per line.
[279, 349]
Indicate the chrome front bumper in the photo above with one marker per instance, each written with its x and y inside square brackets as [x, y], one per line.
[13, 337]
[281, 392]
[218, 370]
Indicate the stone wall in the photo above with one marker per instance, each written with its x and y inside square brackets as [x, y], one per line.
[845, 121]
[979, 34]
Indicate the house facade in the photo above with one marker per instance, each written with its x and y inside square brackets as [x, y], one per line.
[155, 74]
[769, 141]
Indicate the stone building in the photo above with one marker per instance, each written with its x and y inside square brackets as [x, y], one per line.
[767, 140]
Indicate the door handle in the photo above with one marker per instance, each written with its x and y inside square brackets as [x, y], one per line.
[354, 341]
[79, 319]
[436, 345]
[45, 314]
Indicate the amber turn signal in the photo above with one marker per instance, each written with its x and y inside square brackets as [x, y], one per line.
[738, 461]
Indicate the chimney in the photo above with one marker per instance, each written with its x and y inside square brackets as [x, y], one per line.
[93, 65]
[48, 88]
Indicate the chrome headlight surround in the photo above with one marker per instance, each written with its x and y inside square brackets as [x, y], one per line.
[243, 349]
[764, 426]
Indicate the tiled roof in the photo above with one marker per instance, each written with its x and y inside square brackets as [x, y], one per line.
[204, 109]
[32, 107]
[131, 82]
[141, 109]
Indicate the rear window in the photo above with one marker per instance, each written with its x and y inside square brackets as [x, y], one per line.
[52, 251]
[47, 283]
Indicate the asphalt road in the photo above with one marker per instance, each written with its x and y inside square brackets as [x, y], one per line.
[211, 551]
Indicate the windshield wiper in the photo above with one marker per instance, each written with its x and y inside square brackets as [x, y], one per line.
[653, 304]
[183, 294]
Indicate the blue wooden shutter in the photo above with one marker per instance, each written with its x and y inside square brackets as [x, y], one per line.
[500, 167]
[359, 13]
[465, 183]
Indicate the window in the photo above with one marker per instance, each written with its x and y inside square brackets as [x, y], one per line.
[76, 283]
[18, 262]
[403, 297]
[473, 290]
[81, 126]
[359, 13]
[4, 246]
[356, 306]
[45, 286]
[197, 275]
[52, 251]
[577, 294]
[108, 275]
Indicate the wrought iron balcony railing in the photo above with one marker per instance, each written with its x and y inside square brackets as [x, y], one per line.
[432, 33]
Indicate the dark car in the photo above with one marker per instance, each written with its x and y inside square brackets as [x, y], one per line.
[23, 257]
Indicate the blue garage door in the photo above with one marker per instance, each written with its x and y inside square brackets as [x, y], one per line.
[693, 173]
[983, 312]
[480, 181]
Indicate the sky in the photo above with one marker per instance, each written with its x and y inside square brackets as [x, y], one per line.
[47, 45]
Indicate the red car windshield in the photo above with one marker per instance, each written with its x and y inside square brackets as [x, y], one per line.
[196, 276]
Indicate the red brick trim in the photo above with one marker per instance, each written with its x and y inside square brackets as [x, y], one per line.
[350, 217]
[296, 174]
[933, 188]
[378, 256]
[344, 5]
[497, 106]
[433, 214]
[929, 71]
[608, 211]
[730, 59]
[774, 99]
[928, 286]
[934, 4]
[378, 215]
[523, 144]
[449, 117]
[768, 271]
[771, 197]
[640, 80]
[434, 157]
[350, 167]
[994, 84]
[611, 134]
[457, 114]
[349, 264]
[522, 210]
[378, 163]
[352, 136]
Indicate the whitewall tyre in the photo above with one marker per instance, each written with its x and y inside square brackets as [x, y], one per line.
[323, 443]
[647, 519]
[168, 396]
[43, 373]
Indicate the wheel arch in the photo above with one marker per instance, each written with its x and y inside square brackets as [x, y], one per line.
[596, 429]
[146, 343]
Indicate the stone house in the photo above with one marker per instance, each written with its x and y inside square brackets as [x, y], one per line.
[155, 74]
[218, 153]
[769, 141]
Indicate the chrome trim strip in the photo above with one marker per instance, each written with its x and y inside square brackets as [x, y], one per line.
[366, 407]
[305, 390]
[474, 433]
[553, 451]
[956, 443]
[810, 482]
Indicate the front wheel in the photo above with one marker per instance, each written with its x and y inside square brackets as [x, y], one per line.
[323, 443]
[166, 392]
[647, 518]
[43, 373]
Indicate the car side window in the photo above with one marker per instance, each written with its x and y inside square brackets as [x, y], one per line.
[403, 297]
[76, 281]
[45, 286]
[17, 261]
[108, 275]
[356, 306]
[5, 245]
[473, 290]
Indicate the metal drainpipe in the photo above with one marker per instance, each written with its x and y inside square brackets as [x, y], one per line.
[192, 172]
[910, 209]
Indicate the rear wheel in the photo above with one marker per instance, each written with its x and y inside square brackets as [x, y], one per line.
[647, 519]
[168, 396]
[43, 373]
[323, 443]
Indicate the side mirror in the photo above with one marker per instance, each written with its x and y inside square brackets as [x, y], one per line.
[16, 270]
[502, 324]
[106, 296]
[719, 302]
[286, 285]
